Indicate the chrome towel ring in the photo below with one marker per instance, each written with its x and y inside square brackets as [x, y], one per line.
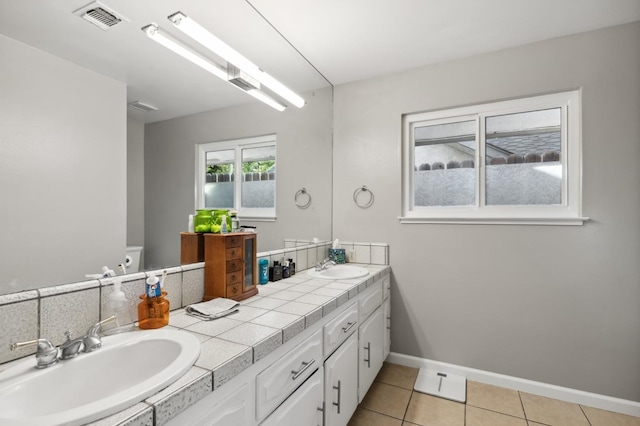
[300, 196]
[368, 203]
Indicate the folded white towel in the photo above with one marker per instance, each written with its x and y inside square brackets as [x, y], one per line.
[214, 308]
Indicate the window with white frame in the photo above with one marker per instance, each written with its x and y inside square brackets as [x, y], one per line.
[238, 175]
[515, 161]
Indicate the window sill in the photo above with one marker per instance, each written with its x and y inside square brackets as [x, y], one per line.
[567, 221]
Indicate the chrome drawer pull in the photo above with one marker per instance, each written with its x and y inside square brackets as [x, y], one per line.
[337, 404]
[368, 359]
[305, 366]
[349, 326]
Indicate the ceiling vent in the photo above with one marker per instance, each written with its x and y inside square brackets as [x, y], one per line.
[141, 106]
[99, 15]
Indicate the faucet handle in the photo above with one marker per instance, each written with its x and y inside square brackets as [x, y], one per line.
[46, 355]
[92, 340]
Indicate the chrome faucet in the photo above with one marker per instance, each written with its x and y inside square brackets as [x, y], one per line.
[92, 340]
[321, 266]
[70, 348]
[46, 355]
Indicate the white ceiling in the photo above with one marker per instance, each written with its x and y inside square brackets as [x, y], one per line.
[305, 44]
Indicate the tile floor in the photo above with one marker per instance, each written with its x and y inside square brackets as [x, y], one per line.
[391, 401]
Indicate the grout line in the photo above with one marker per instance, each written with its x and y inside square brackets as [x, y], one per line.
[584, 414]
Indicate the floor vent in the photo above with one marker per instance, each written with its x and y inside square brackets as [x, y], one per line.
[99, 15]
[443, 385]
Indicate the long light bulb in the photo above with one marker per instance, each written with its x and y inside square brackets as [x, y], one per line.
[154, 34]
[266, 99]
[220, 48]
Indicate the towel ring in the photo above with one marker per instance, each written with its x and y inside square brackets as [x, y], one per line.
[300, 193]
[357, 192]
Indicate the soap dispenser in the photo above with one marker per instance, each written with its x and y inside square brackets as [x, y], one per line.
[118, 306]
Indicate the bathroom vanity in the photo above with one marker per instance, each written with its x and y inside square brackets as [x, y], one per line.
[319, 375]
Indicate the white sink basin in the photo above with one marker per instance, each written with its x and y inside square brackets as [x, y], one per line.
[127, 369]
[339, 272]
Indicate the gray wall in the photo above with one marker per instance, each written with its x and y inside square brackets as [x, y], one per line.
[62, 169]
[556, 304]
[303, 160]
[135, 183]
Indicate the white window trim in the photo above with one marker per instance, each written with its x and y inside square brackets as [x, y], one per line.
[253, 214]
[567, 213]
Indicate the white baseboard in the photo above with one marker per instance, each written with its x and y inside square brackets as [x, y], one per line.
[595, 400]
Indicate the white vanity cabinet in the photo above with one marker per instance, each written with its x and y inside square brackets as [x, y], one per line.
[371, 340]
[341, 383]
[318, 377]
[303, 407]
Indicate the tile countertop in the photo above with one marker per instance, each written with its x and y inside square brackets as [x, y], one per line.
[264, 322]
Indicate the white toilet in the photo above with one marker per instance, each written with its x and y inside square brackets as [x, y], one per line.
[132, 259]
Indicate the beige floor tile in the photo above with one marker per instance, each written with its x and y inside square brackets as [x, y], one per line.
[481, 417]
[494, 398]
[428, 410]
[535, 424]
[387, 399]
[398, 375]
[607, 418]
[552, 411]
[364, 417]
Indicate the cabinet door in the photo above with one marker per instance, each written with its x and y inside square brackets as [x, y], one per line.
[303, 407]
[387, 328]
[370, 350]
[341, 383]
[249, 262]
[229, 407]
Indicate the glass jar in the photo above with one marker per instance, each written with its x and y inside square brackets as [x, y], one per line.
[153, 312]
[202, 221]
[216, 221]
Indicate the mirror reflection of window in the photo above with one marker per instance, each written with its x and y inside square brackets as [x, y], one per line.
[219, 186]
[238, 175]
[259, 177]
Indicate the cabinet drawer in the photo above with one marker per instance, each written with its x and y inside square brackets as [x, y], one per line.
[338, 329]
[235, 241]
[234, 289]
[275, 383]
[233, 253]
[370, 300]
[234, 278]
[234, 265]
[304, 407]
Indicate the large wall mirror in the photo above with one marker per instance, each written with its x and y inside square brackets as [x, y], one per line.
[82, 176]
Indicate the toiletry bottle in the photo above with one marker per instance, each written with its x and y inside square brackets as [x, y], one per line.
[235, 223]
[223, 225]
[292, 267]
[275, 272]
[264, 271]
[152, 288]
[118, 306]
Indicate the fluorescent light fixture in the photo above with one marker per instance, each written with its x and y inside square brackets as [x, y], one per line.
[266, 99]
[220, 48]
[154, 34]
